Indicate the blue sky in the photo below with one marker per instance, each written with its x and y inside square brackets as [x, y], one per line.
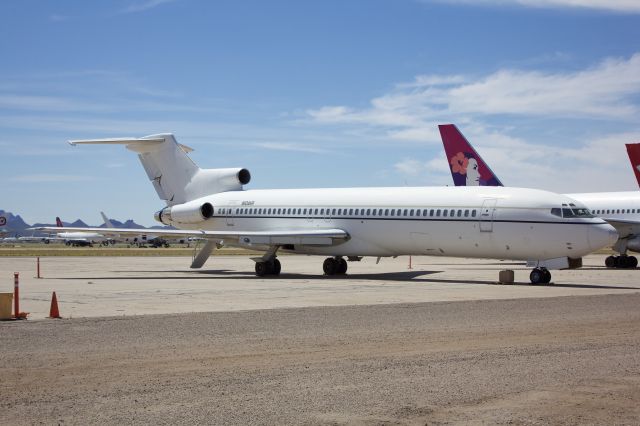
[312, 94]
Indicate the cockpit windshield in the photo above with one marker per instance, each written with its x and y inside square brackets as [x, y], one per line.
[571, 210]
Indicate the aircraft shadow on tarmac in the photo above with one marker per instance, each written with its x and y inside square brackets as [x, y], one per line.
[413, 276]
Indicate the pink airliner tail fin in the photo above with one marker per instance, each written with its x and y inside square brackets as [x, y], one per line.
[633, 149]
[59, 222]
[466, 165]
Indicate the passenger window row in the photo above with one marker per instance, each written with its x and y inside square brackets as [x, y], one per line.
[346, 212]
[616, 211]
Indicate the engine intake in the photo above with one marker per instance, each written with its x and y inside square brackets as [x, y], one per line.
[191, 212]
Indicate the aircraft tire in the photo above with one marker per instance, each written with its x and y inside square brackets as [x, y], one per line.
[536, 276]
[330, 266]
[610, 262]
[633, 262]
[342, 266]
[262, 269]
[546, 276]
[276, 267]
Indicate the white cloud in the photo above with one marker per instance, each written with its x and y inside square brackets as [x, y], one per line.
[628, 6]
[49, 178]
[292, 147]
[604, 91]
[146, 5]
[410, 167]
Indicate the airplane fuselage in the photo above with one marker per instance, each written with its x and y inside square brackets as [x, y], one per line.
[487, 222]
[616, 206]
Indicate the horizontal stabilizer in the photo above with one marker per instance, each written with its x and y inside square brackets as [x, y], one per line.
[139, 145]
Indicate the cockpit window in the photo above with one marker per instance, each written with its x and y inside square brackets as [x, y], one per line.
[570, 212]
[582, 212]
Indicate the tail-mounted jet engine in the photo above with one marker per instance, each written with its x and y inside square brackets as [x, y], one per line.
[205, 181]
[192, 212]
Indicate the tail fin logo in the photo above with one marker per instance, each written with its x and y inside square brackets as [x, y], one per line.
[58, 222]
[466, 166]
[464, 169]
[633, 149]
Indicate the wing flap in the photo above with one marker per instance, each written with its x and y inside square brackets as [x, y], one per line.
[275, 237]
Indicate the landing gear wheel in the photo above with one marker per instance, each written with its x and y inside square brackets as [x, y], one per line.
[546, 276]
[622, 261]
[270, 267]
[276, 267]
[262, 269]
[537, 276]
[342, 266]
[330, 266]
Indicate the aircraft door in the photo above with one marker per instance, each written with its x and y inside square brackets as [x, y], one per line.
[486, 214]
[230, 211]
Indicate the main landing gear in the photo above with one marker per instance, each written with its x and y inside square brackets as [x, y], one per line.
[622, 261]
[268, 267]
[334, 266]
[540, 276]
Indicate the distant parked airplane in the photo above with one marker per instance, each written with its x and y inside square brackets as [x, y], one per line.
[620, 209]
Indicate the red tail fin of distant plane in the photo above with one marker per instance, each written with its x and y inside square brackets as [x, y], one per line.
[466, 165]
[59, 222]
[633, 149]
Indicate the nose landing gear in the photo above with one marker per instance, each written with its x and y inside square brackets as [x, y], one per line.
[540, 276]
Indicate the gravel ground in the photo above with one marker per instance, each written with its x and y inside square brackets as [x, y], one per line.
[562, 360]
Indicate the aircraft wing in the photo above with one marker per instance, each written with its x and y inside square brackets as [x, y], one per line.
[626, 228]
[247, 238]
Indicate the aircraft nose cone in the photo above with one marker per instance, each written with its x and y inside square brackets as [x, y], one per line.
[602, 235]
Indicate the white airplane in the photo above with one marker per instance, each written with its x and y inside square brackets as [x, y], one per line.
[620, 209]
[76, 237]
[140, 240]
[503, 223]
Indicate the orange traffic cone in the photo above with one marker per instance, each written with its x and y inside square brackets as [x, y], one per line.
[53, 312]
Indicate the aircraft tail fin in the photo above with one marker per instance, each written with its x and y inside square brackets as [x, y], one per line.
[466, 165]
[175, 177]
[59, 222]
[106, 220]
[633, 149]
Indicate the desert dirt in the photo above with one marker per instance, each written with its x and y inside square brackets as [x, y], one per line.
[560, 360]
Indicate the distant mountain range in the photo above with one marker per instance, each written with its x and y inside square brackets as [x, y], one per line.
[16, 225]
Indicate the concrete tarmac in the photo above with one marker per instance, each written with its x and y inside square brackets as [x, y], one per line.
[125, 286]
[441, 343]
